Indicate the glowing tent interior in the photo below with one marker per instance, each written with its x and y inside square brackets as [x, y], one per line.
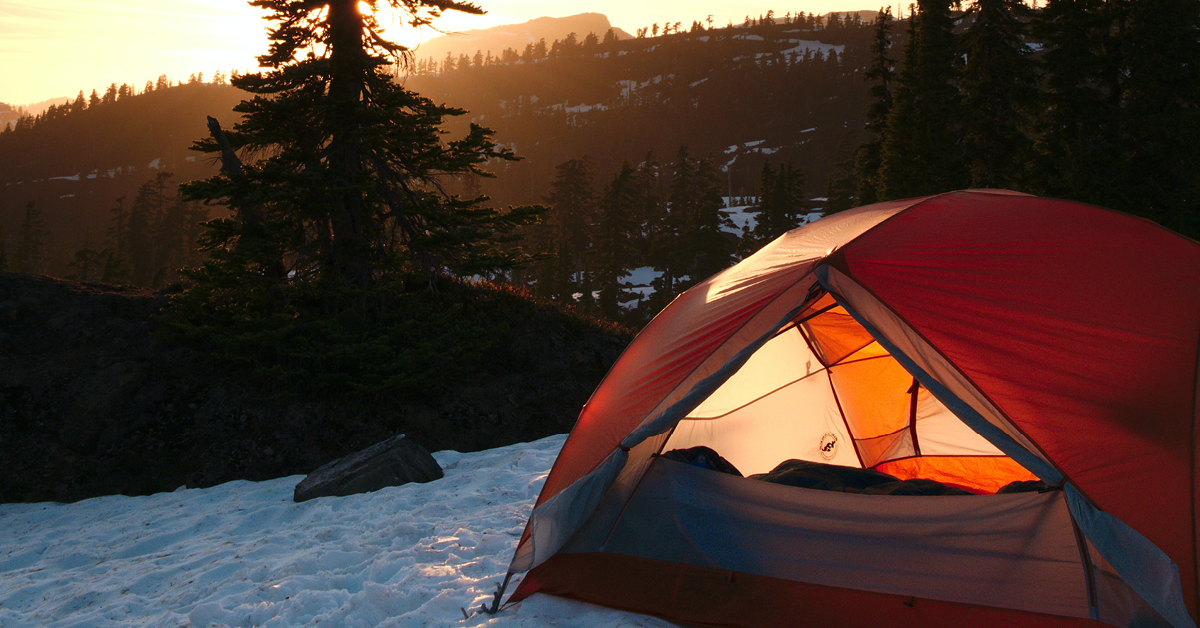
[975, 338]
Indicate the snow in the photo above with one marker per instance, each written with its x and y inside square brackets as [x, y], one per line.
[585, 108]
[802, 46]
[639, 281]
[742, 216]
[243, 554]
[155, 164]
[73, 177]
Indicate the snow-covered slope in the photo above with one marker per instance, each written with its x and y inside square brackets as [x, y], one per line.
[243, 554]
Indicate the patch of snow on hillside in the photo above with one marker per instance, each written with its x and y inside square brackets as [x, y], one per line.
[585, 108]
[802, 46]
[639, 280]
[742, 216]
[73, 177]
[155, 164]
[695, 83]
[243, 554]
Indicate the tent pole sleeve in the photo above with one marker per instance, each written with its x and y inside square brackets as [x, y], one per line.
[1142, 565]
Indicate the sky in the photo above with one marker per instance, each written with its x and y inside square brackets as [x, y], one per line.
[55, 49]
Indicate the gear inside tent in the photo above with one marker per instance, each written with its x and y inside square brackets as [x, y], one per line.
[946, 349]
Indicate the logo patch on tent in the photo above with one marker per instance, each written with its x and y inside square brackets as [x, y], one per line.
[829, 446]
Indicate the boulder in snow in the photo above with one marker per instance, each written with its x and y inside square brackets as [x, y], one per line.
[393, 462]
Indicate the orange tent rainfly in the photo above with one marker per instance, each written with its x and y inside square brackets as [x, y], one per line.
[1003, 389]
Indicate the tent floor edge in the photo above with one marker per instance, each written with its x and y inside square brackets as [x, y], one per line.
[703, 596]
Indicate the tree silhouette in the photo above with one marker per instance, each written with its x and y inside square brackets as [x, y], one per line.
[880, 74]
[349, 166]
[922, 151]
[998, 86]
[614, 250]
[30, 254]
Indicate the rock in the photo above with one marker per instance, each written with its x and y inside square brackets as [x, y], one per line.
[393, 462]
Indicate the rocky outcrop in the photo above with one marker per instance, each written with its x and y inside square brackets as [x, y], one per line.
[395, 461]
[91, 404]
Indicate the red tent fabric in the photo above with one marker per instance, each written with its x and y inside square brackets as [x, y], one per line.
[1065, 332]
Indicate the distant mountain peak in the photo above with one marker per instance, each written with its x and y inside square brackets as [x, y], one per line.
[516, 36]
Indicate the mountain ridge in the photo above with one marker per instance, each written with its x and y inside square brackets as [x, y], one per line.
[517, 36]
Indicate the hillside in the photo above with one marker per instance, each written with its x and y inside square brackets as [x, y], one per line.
[788, 92]
[91, 403]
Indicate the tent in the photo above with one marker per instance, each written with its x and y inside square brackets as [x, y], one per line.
[974, 338]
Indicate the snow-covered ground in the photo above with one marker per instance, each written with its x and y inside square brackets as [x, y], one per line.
[243, 554]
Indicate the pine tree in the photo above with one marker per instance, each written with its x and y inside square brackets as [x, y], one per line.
[922, 151]
[1160, 45]
[870, 154]
[30, 253]
[712, 247]
[614, 249]
[998, 86]
[139, 241]
[1076, 141]
[780, 206]
[670, 252]
[565, 230]
[116, 263]
[86, 264]
[346, 186]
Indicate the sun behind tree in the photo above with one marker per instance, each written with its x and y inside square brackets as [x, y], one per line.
[345, 184]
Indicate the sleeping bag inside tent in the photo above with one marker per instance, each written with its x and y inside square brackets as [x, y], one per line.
[976, 408]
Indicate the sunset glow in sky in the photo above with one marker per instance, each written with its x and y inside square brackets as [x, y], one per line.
[55, 49]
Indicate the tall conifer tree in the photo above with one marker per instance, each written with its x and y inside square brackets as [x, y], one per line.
[998, 85]
[348, 179]
[880, 74]
[922, 153]
[1160, 44]
[30, 253]
[1076, 141]
[614, 250]
[566, 229]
